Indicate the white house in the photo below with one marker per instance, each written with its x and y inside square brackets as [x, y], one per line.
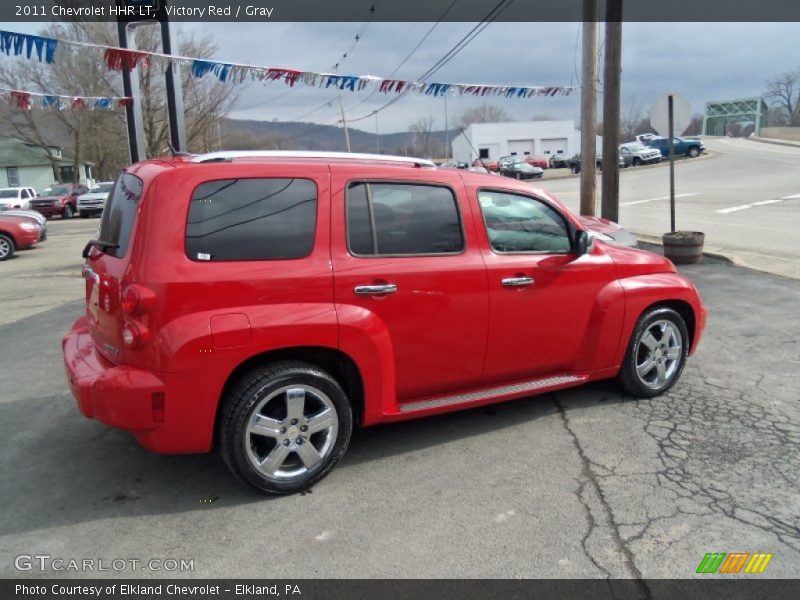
[537, 138]
[23, 164]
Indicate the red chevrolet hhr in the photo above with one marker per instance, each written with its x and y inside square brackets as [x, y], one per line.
[264, 303]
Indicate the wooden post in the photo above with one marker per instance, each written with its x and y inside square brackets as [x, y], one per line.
[670, 113]
[589, 108]
[609, 200]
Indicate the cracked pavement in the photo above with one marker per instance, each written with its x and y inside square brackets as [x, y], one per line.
[585, 482]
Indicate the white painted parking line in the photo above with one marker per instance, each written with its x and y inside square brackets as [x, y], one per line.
[733, 209]
[656, 199]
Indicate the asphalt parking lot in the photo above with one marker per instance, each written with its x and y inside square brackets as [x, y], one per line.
[581, 483]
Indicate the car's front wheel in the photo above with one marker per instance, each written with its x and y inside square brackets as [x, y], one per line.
[656, 353]
[694, 152]
[283, 427]
[68, 213]
[6, 247]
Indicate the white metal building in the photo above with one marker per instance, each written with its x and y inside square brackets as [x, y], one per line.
[536, 138]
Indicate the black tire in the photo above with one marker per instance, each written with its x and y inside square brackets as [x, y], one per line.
[518, 175]
[68, 213]
[7, 247]
[630, 379]
[574, 169]
[239, 448]
[694, 152]
[84, 214]
[637, 161]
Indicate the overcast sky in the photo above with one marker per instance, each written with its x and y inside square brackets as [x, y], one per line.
[702, 61]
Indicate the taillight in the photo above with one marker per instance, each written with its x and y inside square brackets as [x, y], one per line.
[137, 299]
[131, 336]
[131, 300]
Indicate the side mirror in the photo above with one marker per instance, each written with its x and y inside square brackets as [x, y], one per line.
[583, 242]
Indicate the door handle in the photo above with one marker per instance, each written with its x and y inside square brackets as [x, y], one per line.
[382, 289]
[517, 281]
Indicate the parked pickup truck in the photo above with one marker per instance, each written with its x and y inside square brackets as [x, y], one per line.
[683, 146]
[635, 154]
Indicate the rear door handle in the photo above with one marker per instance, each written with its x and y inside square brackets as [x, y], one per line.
[375, 290]
[517, 281]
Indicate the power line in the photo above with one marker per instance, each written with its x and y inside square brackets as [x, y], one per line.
[491, 16]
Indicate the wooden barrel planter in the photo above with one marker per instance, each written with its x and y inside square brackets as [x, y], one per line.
[683, 247]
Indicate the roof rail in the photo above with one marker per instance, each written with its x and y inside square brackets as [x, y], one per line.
[228, 155]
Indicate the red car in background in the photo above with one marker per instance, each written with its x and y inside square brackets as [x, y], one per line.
[485, 162]
[538, 161]
[59, 199]
[17, 233]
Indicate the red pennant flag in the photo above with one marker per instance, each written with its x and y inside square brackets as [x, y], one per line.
[118, 59]
[20, 100]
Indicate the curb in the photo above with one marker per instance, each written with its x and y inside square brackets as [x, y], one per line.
[717, 253]
[775, 142]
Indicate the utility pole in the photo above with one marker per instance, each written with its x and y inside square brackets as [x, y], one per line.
[589, 108]
[377, 135]
[446, 132]
[612, 75]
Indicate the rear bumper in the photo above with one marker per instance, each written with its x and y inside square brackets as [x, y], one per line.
[118, 396]
[171, 413]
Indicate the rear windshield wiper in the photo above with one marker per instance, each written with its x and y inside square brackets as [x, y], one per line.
[101, 245]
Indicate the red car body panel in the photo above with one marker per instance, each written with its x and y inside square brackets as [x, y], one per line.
[451, 328]
[23, 237]
[538, 161]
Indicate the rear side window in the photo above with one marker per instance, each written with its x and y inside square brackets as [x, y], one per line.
[402, 219]
[120, 213]
[252, 219]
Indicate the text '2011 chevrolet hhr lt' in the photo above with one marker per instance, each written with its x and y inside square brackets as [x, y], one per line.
[265, 303]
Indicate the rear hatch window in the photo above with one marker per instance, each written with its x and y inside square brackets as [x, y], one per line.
[120, 213]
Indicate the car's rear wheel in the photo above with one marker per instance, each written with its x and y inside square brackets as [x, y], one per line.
[575, 170]
[694, 152]
[656, 353]
[637, 161]
[6, 247]
[68, 212]
[283, 427]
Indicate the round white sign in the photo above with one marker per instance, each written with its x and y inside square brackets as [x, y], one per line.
[681, 114]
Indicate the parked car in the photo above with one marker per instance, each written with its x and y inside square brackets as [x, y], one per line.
[538, 161]
[36, 217]
[518, 168]
[574, 163]
[683, 146]
[59, 199]
[264, 303]
[17, 233]
[486, 163]
[635, 154]
[559, 161]
[16, 197]
[93, 201]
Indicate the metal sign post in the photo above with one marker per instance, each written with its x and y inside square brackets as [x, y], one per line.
[671, 116]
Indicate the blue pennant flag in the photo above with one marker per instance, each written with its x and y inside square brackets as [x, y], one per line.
[102, 103]
[45, 48]
[201, 67]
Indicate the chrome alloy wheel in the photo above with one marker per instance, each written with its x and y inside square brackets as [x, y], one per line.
[290, 432]
[5, 247]
[658, 354]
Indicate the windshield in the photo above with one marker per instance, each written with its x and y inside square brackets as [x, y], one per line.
[523, 166]
[103, 188]
[8, 193]
[58, 190]
[636, 147]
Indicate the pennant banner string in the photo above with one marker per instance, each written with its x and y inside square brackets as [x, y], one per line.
[47, 50]
[30, 100]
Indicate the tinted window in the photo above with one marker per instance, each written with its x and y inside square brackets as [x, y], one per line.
[407, 218]
[252, 219]
[118, 217]
[522, 224]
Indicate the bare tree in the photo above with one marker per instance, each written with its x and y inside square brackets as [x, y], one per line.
[485, 113]
[421, 132]
[633, 120]
[784, 92]
[100, 137]
[695, 125]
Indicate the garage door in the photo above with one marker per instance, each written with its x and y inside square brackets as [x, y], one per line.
[520, 147]
[554, 146]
